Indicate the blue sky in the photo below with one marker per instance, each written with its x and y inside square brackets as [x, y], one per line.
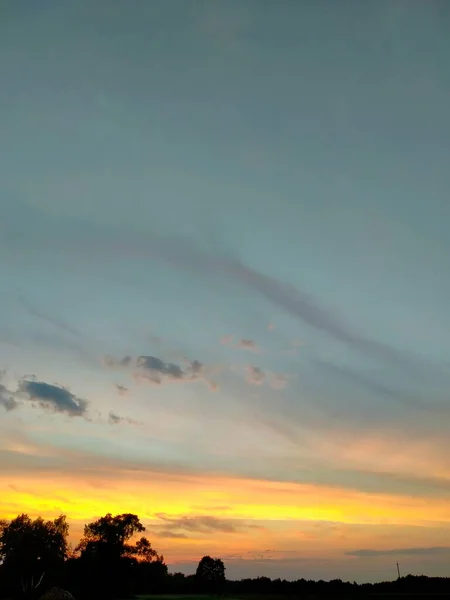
[250, 201]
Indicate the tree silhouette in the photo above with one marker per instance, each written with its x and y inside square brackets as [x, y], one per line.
[210, 574]
[143, 551]
[111, 562]
[108, 536]
[32, 550]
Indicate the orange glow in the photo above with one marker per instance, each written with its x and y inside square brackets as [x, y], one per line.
[85, 497]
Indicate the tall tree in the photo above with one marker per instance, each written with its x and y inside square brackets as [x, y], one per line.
[210, 574]
[32, 551]
[111, 561]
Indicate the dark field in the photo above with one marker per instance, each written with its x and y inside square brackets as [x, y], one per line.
[325, 596]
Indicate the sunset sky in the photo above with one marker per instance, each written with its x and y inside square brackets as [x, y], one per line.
[225, 289]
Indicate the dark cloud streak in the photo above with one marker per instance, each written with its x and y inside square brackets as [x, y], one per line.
[79, 237]
[431, 551]
[199, 524]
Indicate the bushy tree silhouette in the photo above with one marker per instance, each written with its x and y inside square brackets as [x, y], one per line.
[111, 561]
[109, 536]
[210, 574]
[32, 552]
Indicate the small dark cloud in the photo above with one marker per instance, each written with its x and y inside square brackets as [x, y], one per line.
[243, 343]
[121, 389]
[53, 398]
[112, 362]
[115, 419]
[255, 375]
[155, 370]
[431, 551]
[7, 400]
[248, 344]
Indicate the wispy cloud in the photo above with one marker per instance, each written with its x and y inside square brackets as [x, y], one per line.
[432, 551]
[51, 319]
[170, 535]
[185, 253]
[305, 307]
[199, 524]
[378, 387]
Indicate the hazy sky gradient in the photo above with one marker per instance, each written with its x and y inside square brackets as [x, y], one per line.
[225, 277]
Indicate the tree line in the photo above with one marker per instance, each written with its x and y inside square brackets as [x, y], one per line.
[114, 560]
[35, 556]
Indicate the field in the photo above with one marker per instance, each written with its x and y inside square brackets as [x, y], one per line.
[357, 596]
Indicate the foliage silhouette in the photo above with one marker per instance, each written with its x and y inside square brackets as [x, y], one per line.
[32, 552]
[113, 565]
[34, 557]
[210, 574]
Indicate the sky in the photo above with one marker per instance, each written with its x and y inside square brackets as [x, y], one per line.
[224, 261]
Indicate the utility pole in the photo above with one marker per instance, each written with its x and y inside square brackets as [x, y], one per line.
[398, 571]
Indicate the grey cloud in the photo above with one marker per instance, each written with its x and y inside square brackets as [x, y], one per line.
[199, 524]
[248, 344]
[115, 419]
[154, 370]
[112, 362]
[431, 551]
[53, 398]
[7, 400]
[157, 371]
[121, 389]
[255, 375]
[174, 535]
